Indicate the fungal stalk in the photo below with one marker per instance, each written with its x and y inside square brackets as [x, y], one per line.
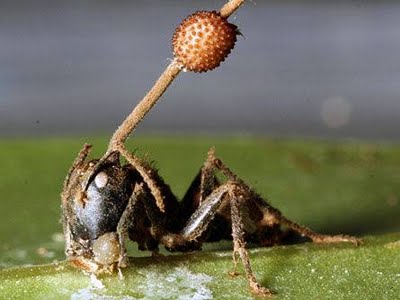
[161, 85]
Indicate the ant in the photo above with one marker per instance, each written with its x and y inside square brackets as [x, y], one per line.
[105, 203]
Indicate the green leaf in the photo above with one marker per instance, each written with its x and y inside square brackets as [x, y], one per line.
[306, 271]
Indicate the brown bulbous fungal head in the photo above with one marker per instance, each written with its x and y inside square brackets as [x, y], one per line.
[203, 40]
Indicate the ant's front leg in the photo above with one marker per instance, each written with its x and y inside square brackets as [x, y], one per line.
[127, 218]
[157, 187]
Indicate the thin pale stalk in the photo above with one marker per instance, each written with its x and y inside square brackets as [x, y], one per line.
[230, 7]
[144, 106]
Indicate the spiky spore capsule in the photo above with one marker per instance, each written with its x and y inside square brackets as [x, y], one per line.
[203, 40]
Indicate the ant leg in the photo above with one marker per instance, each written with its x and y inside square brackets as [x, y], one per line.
[275, 216]
[161, 192]
[208, 180]
[239, 244]
[79, 160]
[236, 194]
[202, 186]
[314, 236]
[205, 213]
[123, 226]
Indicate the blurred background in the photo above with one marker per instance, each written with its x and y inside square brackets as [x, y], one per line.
[302, 68]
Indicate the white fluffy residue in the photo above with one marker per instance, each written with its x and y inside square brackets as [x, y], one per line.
[95, 291]
[181, 284]
[95, 282]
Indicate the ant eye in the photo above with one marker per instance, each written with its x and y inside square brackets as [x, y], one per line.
[101, 180]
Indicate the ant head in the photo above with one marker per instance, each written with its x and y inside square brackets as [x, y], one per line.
[95, 196]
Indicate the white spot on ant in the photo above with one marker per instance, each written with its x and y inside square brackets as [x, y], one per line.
[101, 180]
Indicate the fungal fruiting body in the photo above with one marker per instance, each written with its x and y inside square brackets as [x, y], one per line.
[203, 40]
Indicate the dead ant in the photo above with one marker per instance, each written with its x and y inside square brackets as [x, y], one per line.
[105, 203]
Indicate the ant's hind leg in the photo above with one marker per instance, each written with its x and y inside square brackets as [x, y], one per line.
[314, 236]
[275, 216]
[202, 186]
[239, 243]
